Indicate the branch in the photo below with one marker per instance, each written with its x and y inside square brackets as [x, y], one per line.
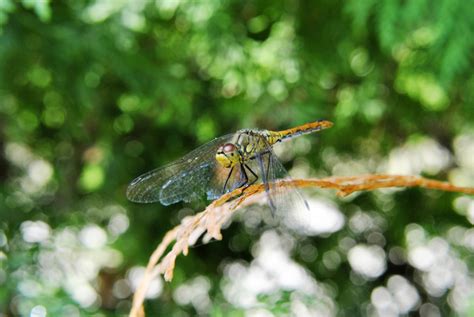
[211, 220]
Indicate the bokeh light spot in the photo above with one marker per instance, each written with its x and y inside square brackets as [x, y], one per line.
[39, 76]
[129, 103]
[135, 276]
[123, 124]
[92, 177]
[38, 311]
[93, 236]
[369, 261]
[27, 120]
[35, 231]
[360, 63]
[258, 23]
[134, 148]
[53, 116]
[167, 8]
[424, 88]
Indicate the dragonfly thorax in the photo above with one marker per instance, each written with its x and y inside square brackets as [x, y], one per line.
[228, 155]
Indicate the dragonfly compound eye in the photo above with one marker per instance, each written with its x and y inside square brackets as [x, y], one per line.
[227, 155]
[229, 148]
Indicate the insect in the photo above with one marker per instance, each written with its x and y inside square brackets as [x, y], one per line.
[224, 164]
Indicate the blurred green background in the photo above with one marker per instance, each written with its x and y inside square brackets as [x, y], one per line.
[94, 93]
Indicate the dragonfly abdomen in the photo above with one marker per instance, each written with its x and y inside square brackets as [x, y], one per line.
[302, 129]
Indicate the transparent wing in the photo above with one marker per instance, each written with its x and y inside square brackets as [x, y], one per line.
[285, 195]
[282, 196]
[186, 179]
[220, 175]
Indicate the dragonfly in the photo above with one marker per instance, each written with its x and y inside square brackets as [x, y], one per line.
[226, 163]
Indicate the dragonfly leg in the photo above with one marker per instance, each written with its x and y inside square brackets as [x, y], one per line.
[245, 180]
[265, 182]
[227, 180]
[268, 164]
[243, 175]
[245, 184]
[253, 173]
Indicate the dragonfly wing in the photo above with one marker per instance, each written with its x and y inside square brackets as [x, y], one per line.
[146, 188]
[224, 180]
[188, 185]
[282, 196]
[286, 196]
[183, 180]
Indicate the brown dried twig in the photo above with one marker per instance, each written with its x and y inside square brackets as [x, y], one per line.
[211, 220]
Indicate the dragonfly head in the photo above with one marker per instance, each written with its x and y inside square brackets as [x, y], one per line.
[228, 155]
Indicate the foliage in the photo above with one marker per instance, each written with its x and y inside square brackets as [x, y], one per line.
[92, 93]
